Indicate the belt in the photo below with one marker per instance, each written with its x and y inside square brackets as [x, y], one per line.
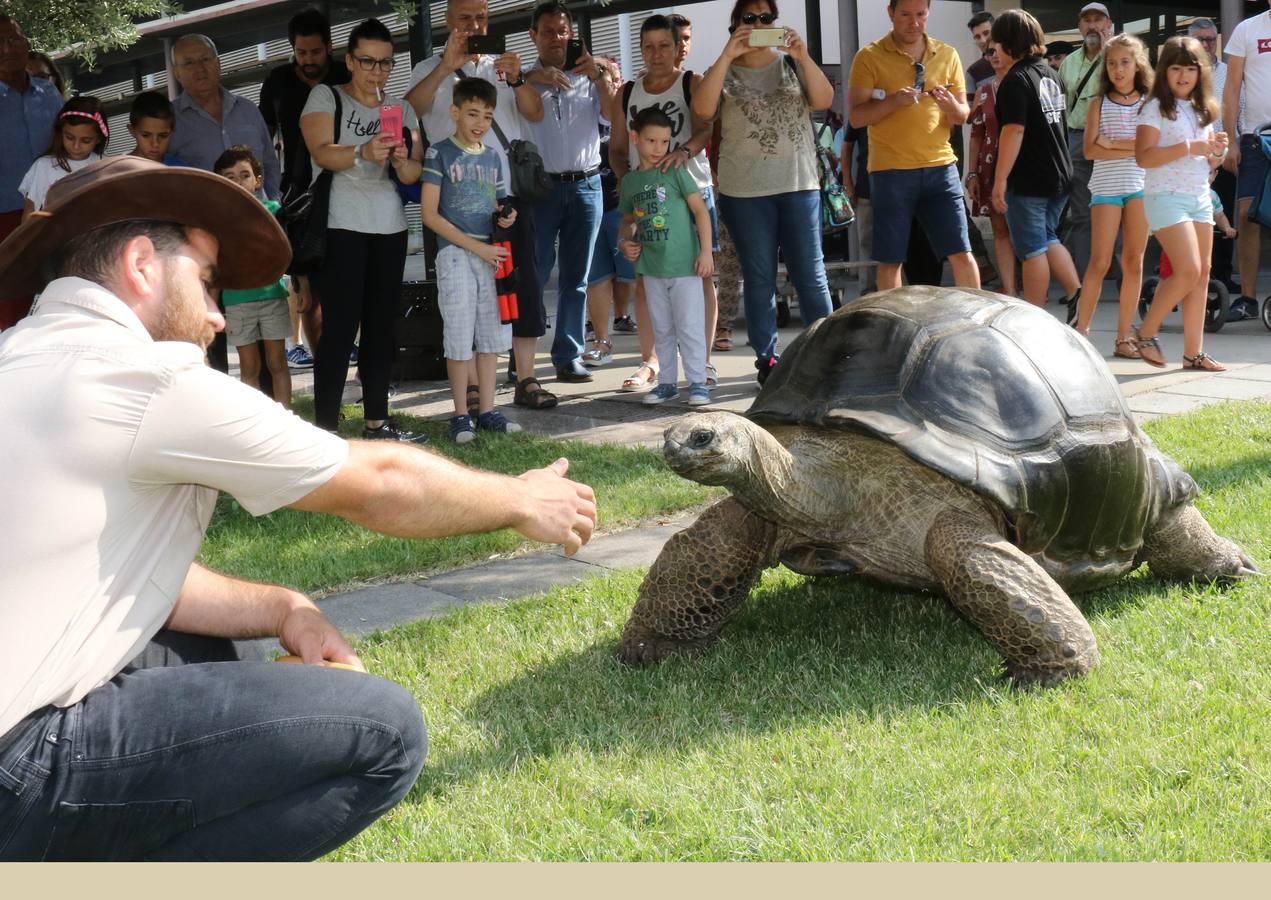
[574, 176]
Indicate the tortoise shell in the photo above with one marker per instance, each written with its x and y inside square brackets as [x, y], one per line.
[996, 394]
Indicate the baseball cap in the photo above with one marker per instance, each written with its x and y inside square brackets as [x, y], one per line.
[1094, 7]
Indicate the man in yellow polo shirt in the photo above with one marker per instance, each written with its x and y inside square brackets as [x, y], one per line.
[909, 90]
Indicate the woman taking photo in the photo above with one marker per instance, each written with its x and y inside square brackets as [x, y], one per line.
[768, 181]
[982, 152]
[361, 277]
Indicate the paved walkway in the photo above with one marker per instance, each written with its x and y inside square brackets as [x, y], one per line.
[597, 412]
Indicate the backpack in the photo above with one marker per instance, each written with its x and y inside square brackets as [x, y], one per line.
[1260, 208]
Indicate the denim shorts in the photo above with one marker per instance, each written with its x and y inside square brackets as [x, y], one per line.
[1115, 199]
[933, 196]
[1032, 222]
[607, 260]
[1253, 167]
[1164, 210]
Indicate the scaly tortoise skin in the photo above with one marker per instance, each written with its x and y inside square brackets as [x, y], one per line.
[946, 440]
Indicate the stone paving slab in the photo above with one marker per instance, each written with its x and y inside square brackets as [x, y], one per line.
[507, 579]
[1159, 403]
[632, 548]
[1224, 387]
[386, 605]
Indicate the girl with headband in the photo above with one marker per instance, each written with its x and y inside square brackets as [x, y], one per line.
[79, 138]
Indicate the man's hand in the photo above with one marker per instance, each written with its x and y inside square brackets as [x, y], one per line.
[704, 265]
[549, 76]
[307, 633]
[906, 96]
[944, 99]
[557, 510]
[509, 66]
[456, 53]
[999, 197]
[1232, 162]
[972, 186]
[304, 294]
[630, 248]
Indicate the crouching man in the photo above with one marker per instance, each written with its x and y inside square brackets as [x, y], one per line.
[129, 729]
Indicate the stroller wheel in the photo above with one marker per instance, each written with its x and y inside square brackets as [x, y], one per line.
[1266, 312]
[1217, 304]
[1146, 293]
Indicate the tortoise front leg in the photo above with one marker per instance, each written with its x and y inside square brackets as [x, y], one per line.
[1184, 547]
[1019, 608]
[698, 581]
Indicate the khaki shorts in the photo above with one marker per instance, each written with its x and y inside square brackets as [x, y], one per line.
[260, 320]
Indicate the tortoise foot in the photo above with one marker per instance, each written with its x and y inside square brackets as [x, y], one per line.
[1024, 677]
[648, 649]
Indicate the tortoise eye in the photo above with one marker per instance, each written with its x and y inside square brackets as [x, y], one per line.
[700, 438]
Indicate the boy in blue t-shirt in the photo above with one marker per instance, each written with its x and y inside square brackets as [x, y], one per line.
[668, 230]
[463, 187]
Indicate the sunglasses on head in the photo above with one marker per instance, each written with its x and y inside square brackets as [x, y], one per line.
[752, 18]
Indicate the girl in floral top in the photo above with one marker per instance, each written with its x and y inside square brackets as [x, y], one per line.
[768, 181]
[979, 180]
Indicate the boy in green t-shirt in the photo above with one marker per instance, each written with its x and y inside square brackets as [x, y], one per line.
[672, 251]
[259, 314]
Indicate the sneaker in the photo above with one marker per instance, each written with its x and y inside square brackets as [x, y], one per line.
[765, 367]
[600, 354]
[299, 358]
[1072, 302]
[390, 432]
[624, 324]
[1242, 308]
[353, 356]
[698, 394]
[461, 430]
[660, 394]
[496, 421]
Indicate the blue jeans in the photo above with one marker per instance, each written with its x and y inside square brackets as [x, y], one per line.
[190, 754]
[574, 211]
[759, 227]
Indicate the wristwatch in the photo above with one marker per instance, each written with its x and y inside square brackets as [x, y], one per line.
[520, 80]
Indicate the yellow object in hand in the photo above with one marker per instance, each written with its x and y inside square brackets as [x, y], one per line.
[327, 663]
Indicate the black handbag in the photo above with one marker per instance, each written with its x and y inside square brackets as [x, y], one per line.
[525, 168]
[303, 214]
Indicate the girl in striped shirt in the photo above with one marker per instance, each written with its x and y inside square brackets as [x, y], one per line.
[1116, 185]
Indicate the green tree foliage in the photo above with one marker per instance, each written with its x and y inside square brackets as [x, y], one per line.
[86, 27]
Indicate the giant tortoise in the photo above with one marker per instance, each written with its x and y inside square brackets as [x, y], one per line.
[939, 439]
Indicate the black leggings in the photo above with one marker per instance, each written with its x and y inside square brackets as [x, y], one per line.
[360, 284]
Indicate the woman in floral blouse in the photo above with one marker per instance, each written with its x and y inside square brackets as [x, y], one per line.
[769, 185]
[979, 179]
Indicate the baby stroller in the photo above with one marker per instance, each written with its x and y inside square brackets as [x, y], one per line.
[1218, 301]
[1260, 208]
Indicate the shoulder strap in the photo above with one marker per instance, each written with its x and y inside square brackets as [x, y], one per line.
[503, 139]
[686, 85]
[335, 92]
[626, 96]
[1082, 83]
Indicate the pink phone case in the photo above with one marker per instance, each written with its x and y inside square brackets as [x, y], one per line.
[391, 122]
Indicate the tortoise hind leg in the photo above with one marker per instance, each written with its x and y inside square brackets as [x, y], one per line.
[1017, 606]
[1184, 546]
[698, 581]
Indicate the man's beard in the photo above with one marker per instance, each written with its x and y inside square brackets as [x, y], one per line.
[311, 71]
[182, 317]
[1094, 40]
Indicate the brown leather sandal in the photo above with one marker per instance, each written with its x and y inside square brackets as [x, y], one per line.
[473, 400]
[723, 340]
[533, 397]
[1125, 349]
[1203, 362]
[1149, 350]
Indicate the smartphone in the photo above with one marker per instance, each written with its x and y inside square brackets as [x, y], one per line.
[494, 44]
[767, 37]
[391, 122]
[573, 51]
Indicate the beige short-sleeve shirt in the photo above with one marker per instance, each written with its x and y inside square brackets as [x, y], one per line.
[114, 448]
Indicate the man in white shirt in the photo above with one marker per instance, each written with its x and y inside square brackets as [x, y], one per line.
[129, 729]
[1248, 70]
[575, 104]
[429, 91]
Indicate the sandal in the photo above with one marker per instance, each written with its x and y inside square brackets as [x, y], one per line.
[1203, 362]
[533, 397]
[712, 376]
[1149, 350]
[637, 379]
[600, 354]
[1125, 349]
[723, 340]
[473, 401]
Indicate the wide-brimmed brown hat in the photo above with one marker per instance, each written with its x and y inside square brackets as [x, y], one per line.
[253, 248]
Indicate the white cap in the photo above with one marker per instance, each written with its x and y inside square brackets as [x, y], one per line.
[1094, 7]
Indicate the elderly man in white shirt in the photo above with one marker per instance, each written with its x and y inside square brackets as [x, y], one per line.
[129, 729]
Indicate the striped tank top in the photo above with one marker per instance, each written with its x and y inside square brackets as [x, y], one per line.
[1117, 177]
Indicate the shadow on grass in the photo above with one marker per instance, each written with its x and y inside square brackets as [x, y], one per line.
[799, 653]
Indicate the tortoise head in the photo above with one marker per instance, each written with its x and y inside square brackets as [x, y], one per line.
[719, 448]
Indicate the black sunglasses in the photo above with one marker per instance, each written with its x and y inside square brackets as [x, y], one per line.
[752, 18]
[920, 76]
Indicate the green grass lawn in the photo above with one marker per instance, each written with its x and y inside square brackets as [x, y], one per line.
[837, 720]
[322, 554]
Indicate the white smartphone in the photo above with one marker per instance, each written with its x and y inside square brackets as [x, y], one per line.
[767, 37]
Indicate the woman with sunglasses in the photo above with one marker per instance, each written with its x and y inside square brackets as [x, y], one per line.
[360, 281]
[769, 188]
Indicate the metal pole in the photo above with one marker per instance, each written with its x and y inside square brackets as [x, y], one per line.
[167, 65]
[849, 43]
[1229, 13]
[812, 11]
[421, 34]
